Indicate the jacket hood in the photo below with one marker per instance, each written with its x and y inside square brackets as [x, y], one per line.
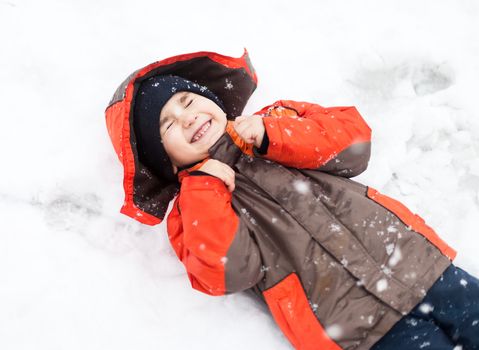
[232, 79]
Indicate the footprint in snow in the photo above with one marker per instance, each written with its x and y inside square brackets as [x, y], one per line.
[429, 78]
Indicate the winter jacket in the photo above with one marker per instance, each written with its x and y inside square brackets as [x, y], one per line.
[337, 262]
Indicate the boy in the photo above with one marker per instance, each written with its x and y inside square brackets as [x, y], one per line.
[265, 203]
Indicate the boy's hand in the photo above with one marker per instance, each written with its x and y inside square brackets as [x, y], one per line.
[220, 170]
[250, 128]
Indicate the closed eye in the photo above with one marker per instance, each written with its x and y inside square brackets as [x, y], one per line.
[167, 127]
[189, 103]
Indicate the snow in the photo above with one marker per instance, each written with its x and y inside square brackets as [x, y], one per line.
[334, 331]
[412, 321]
[389, 248]
[301, 186]
[77, 274]
[426, 308]
[424, 344]
[314, 306]
[382, 285]
[395, 257]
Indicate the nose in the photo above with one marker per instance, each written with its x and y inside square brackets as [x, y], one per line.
[188, 120]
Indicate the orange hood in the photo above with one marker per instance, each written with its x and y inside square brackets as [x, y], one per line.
[232, 79]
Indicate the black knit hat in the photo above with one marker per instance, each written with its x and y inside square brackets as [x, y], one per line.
[152, 95]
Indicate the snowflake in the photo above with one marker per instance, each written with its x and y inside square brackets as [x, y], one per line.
[265, 268]
[229, 85]
[392, 228]
[412, 322]
[335, 227]
[248, 215]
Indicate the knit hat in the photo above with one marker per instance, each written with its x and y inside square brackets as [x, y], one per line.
[152, 95]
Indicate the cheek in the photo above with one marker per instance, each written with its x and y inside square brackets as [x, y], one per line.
[169, 140]
[207, 107]
[175, 141]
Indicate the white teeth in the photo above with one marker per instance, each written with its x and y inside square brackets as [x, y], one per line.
[201, 132]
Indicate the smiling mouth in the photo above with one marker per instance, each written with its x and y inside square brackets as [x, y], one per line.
[201, 131]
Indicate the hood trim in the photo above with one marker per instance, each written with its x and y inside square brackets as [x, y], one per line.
[147, 196]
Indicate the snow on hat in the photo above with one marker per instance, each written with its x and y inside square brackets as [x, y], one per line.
[152, 95]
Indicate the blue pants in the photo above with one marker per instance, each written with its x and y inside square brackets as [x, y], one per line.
[447, 318]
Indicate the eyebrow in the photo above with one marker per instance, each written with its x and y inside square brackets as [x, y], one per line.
[168, 117]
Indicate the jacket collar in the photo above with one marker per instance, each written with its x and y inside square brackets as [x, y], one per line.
[229, 147]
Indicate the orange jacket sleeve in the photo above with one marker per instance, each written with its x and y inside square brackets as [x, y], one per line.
[212, 242]
[308, 136]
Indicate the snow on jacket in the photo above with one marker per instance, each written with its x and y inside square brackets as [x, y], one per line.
[337, 262]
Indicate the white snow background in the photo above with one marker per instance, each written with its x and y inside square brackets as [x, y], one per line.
[77, 274]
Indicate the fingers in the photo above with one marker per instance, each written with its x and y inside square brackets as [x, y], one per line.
[220, 170]
[250, 128]
[230, 184]
[243, 127]
[228, 177]
[238, 120]
[244, 131]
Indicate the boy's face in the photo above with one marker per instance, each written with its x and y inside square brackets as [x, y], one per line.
[189, 125]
